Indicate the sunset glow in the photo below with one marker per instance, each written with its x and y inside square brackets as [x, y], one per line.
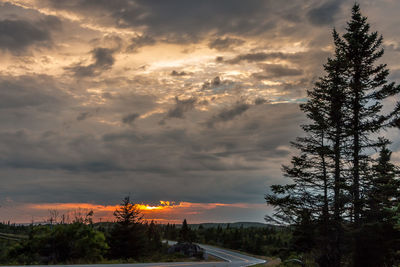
[164, 212]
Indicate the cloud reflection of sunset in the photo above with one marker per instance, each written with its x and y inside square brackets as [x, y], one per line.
[162, 212]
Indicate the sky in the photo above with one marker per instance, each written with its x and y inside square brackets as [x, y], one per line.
[188, 107]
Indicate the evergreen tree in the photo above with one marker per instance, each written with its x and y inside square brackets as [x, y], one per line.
[317, 172]
[379, 239]
[127, 238]
[367, 87]
[153, 238]
[345, 116]
[383, 194]
[128, 213]
[304, 233]
[185, 234]
[331, 90]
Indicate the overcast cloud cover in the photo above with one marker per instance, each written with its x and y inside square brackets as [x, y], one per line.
[185, 101]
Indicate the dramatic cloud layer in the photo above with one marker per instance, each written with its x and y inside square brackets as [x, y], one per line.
[193, 102]
[17, 35]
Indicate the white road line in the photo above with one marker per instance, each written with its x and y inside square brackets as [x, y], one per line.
[219, 256]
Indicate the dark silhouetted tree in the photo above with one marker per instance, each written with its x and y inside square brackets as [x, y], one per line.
[185, 233]
[378, 238]
[367, 88]
[127, 238]
[335, 167]
[317, 171]
[153, 238]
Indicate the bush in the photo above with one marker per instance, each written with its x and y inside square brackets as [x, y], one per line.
[63, 243]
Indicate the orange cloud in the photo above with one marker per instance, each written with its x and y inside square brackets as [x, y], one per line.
[163, 212]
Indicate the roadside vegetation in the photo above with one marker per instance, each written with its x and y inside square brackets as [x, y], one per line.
[130, 240]
[267, 240]
[126, 240]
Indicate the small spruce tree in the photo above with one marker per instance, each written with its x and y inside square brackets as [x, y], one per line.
[127, 238]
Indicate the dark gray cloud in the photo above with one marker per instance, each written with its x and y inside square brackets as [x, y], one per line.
[225, 43]
[87, 114]
[228, 114]
[180, 21]
[215, 82]
[177, 73]
[219, 59]
[83, 116]
[277, 71]
[324, 14]
[158, 163]
[181, 106]
[310, 61]
[260, 101]
[220, 86]
[258, 57]
[33, 102]
[103, 60]
[103, 57]
[130, 118]
[22, 150]
[112, 41]
[177, 20]
[38, 92]
[17, 35]
[140, 41]
[126, 103]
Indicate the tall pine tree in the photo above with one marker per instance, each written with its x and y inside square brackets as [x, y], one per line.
[334, 171]
[367, 88]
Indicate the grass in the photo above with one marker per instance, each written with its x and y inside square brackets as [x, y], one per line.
[274, 262]
[161, 258]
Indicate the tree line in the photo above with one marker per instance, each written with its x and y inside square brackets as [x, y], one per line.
[128, 239]
[265, 241]
[343, 194]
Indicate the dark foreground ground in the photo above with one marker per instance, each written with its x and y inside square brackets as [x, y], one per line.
[231, 259]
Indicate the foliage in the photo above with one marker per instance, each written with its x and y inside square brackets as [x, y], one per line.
[128, 213]
[126, 240]
[185, 233]
[340, 196]
[256, 240]
[153, 238]
[62, 243]
[129, 237]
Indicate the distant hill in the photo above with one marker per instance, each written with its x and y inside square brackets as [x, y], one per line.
[232, 225]
[208, 225]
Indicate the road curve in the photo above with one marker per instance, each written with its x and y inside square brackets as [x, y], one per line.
[231, 259]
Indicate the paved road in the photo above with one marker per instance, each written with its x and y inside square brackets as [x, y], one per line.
[231, 259]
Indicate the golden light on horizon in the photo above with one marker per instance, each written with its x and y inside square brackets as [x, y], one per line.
[148, 207]
[163, 212]
[89, 206]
